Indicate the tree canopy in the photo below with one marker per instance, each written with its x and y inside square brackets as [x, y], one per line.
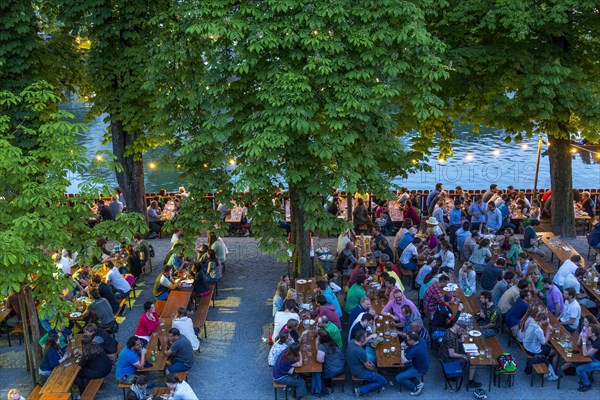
[298, 95]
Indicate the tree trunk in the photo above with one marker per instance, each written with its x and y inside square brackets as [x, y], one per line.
[301, 261]
[131, 179]
[31, 330]
[561, 178]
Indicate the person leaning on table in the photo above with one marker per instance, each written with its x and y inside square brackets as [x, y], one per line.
[130, 359]
[164, 283]
[283, 371]
[180, 390]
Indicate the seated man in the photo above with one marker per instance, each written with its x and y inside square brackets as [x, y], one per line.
[443, 318]
[179, 352]
[514, 315]
[361, 367]
[346, 257]
[488, 316]
[415, 356]
[83, 276]
[394, 307]
[106, 292]
[408, 259]
[164, 283]
[592, 351]
[334, 332]
[101, 310]
[326, 309]
[363, 306]
[130, 359]
[452, 349]
[571, 311]
[355, 293]
[118, 282]
[593, 238]
[433, 295]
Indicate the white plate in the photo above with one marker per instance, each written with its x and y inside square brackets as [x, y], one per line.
[454, 286]
[83, 298]
[475, 333]
[305, 306]
[300, 281]
[309, 322]
[75, 314]
[449, 289]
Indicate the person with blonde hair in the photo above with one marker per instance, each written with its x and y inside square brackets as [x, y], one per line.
[13, 394]
[280, 296]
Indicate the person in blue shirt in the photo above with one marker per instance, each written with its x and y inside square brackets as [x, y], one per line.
[434, 193]
[462, 234]
[516, 312]
[415, 353]
[130, 359]
[477, 212]
[327, 291]
[493, 218]
[593, 237]
[456, 219]
[53, 355]
[407, 239]
[501, 205]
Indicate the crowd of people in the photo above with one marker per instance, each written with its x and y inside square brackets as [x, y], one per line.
[495, 269]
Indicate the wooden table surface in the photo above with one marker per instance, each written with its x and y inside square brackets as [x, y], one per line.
[306, 290]
[386, 357]
[161, 359]
[556, 247]
[62, 377]
[594, 293]
[308, 344]
[161, 391]
[4, 313]
[176, 299]
[55, 396]
[556, 338]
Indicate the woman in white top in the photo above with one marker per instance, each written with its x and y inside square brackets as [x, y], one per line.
[282, 317]
[186, 327]
[446, 256]
[180, 390]
[283, 341]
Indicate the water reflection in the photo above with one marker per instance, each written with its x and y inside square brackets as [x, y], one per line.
[479, 159]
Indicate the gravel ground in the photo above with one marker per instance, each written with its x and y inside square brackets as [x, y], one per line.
[232, 362]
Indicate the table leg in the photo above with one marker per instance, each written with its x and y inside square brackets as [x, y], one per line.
[468, 374]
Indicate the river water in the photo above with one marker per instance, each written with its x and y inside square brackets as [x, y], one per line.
[479, 160]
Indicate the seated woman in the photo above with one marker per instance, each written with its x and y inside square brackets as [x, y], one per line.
[164, 283]
[134, 265]
[214, 270]
[330, 355]
[279, 297]
[148, 322]
[94, 363]
[514, 250]
[284, 340]
[481, 255]
[53, 355]
[186, 327]
[200, 287]
[139, 389]
[283, 372]
[467, 279]
[535, 342]
[180, 390]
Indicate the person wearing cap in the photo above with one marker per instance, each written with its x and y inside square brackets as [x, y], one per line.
[477, 212]
[452, 349]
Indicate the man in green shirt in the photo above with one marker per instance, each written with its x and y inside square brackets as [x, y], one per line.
[325, 324]
[355, 293]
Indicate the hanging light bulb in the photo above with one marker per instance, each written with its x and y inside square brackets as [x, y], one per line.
[469, 157]
[152, 165]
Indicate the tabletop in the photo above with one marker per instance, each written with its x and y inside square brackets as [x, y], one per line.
[176, 299]
[308, 348]
[561, 249]
[161, 359]
[472, 306]
[62, 377]
[4, 313]
[305, 289]
[387, 347]
[55, 396]
[560, 336]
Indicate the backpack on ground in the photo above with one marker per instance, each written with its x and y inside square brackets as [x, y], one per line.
[151, 251]
[506, 364]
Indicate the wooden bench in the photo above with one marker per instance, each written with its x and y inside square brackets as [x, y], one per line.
[340, 379]
[543, 264]
[202, 312]
[124, 387]
[35, 395]
[181, 375]
[121, 305]
[214, 287]
[91, 389]
[539, 369]
[280, 386]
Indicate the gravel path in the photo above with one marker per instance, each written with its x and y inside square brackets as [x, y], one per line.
[232, 362]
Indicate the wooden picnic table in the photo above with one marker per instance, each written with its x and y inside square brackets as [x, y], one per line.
[55, 396]
[163, 392]
[305, 289]
[308, 348]
[161, 359]
[594, 293]
[557, 338]
[4, 313]
[388, 350]
[177, 298]
[62, 377]
[559, 248]
[472, 306]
